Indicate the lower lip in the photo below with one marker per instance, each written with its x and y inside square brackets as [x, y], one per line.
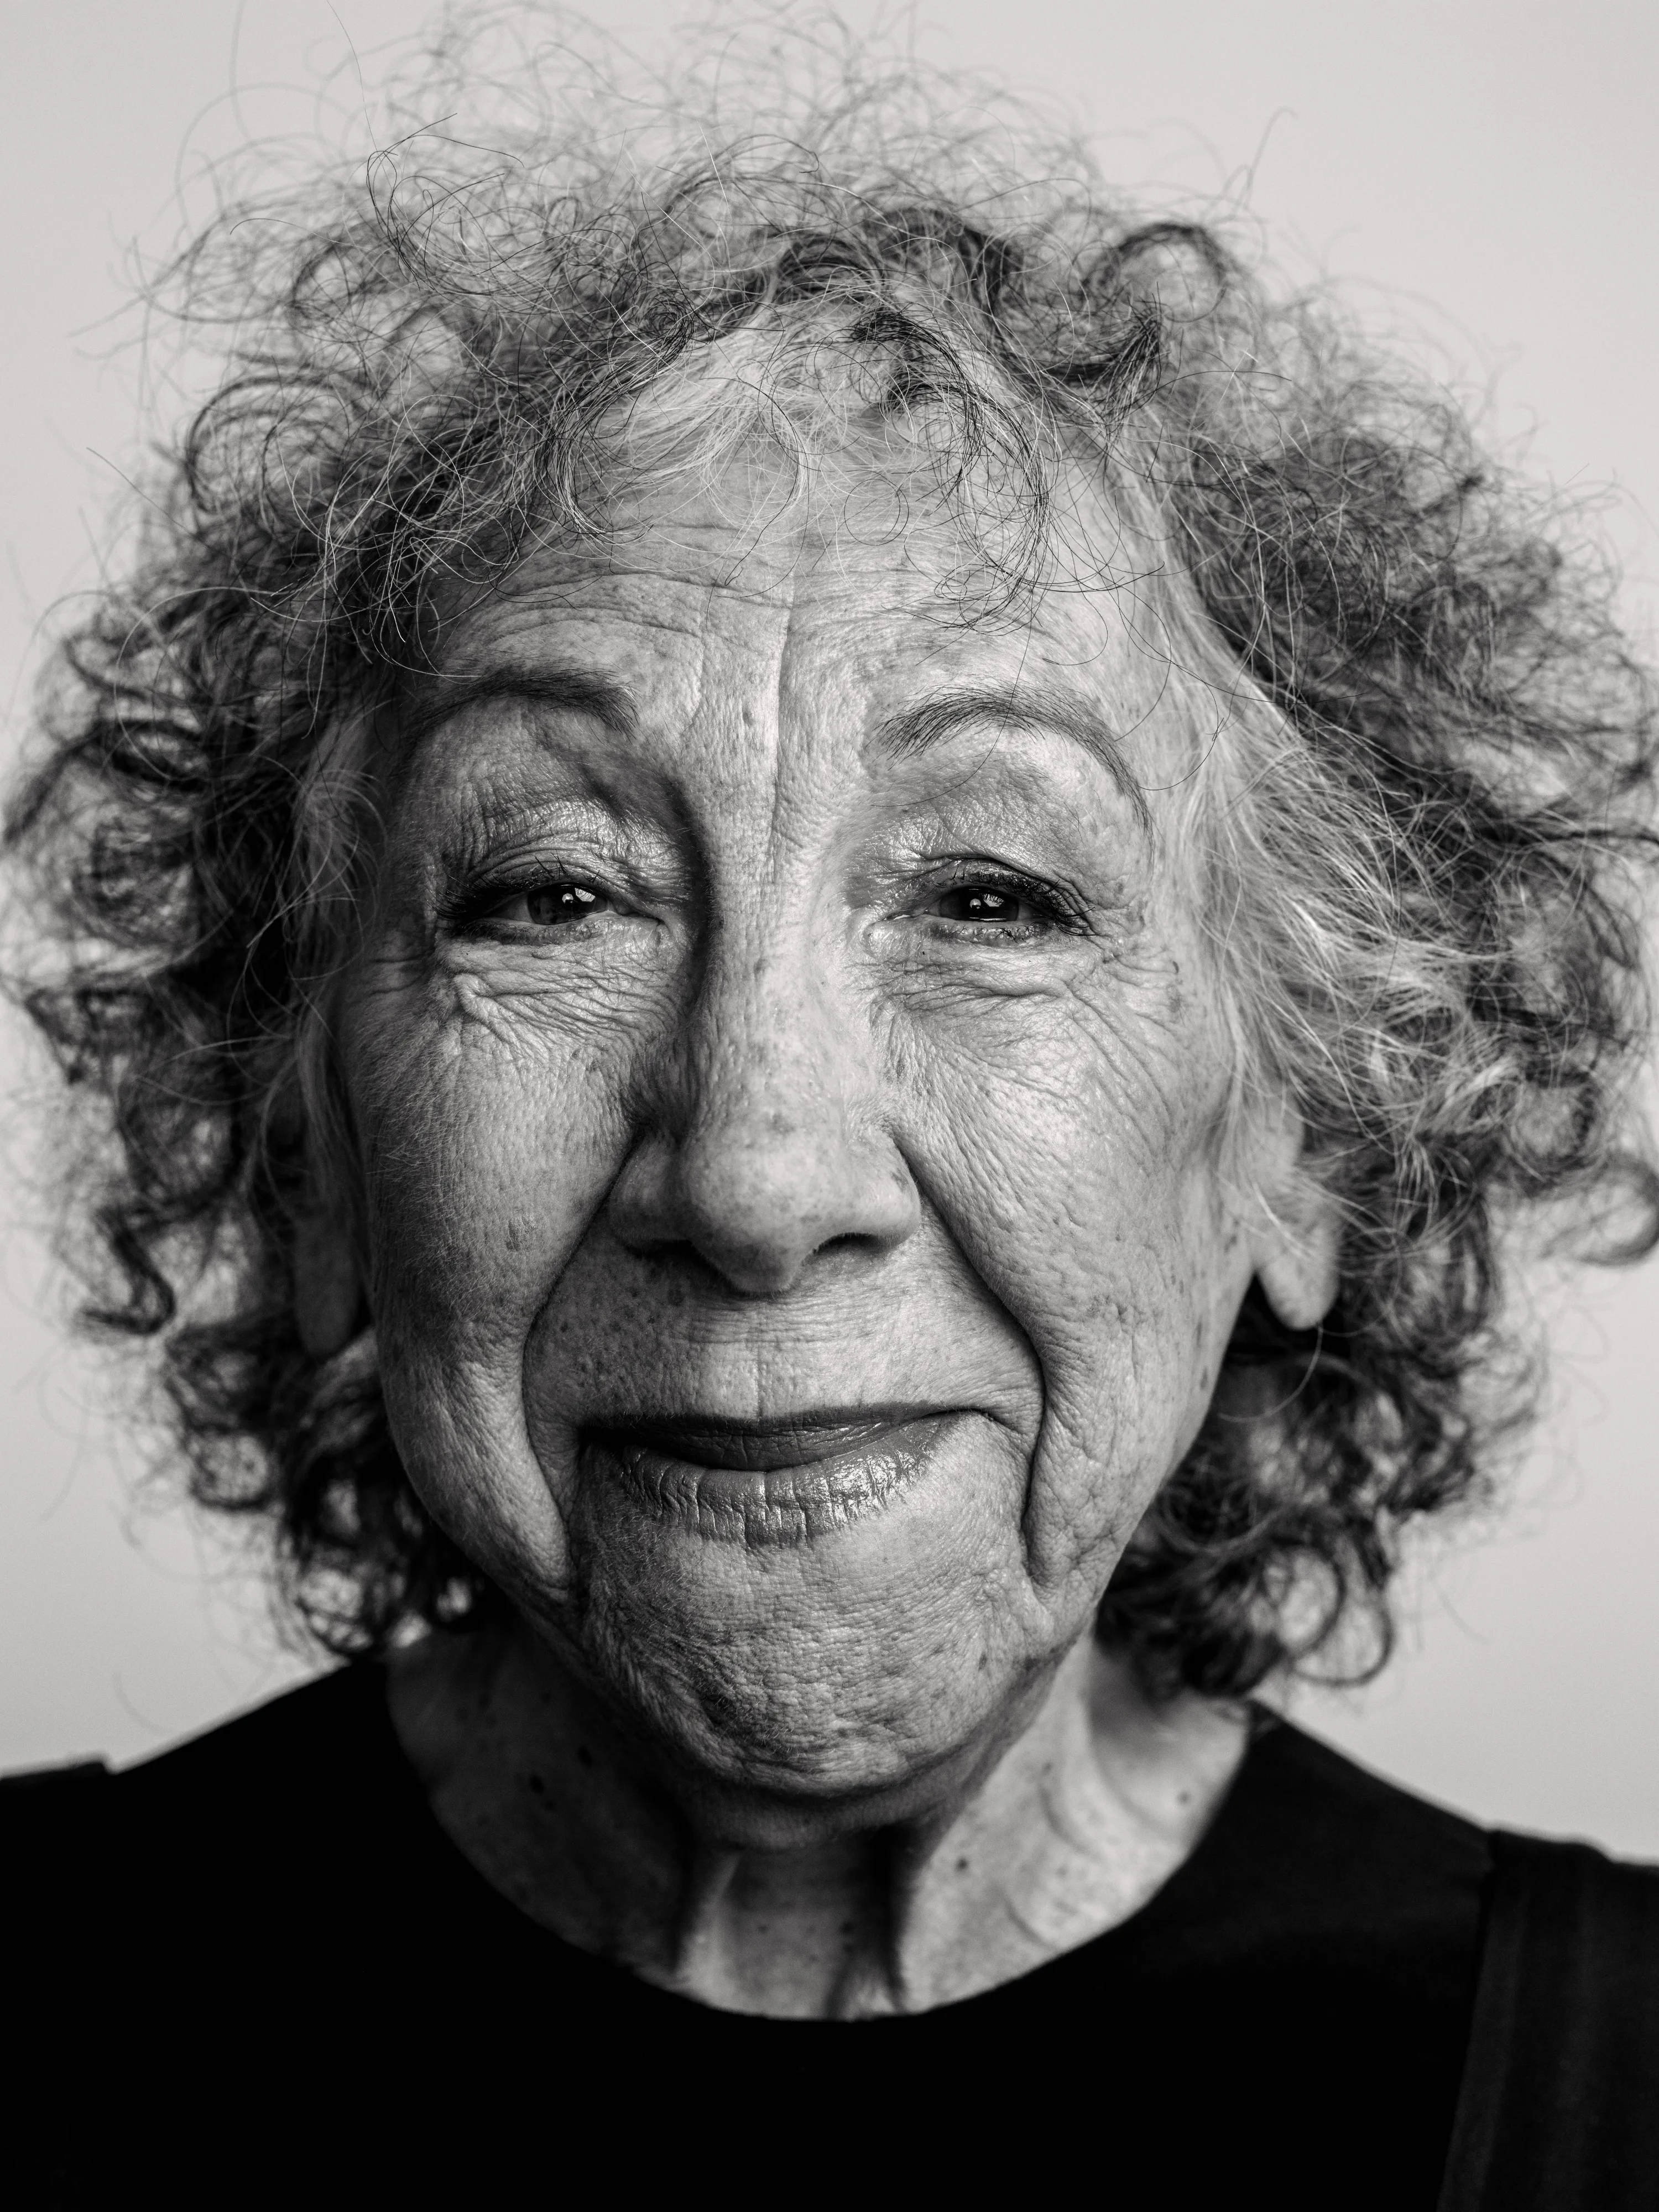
[777, 1504]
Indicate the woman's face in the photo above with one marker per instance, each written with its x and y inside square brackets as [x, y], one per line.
[802, 1223]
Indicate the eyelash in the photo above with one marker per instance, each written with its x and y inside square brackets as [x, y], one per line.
[478, 904]
[1053, 912]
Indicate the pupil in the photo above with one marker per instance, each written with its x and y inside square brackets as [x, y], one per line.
[561, 902]
[980, 905]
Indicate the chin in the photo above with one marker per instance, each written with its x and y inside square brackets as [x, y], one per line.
[806, 1635]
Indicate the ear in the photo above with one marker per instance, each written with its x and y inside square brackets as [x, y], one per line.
[1296, 1236]
[328, 1290]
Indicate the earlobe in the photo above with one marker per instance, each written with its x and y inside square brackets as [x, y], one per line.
[1297, 1243]
[1299, 1275]
[328, 1291]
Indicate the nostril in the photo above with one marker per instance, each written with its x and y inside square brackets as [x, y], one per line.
[851, 1240]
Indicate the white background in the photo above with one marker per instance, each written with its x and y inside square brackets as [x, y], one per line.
[1485, 173]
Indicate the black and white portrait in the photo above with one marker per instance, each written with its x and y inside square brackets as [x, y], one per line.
[829, 854]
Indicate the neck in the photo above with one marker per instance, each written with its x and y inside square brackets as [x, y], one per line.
[1034, 1845]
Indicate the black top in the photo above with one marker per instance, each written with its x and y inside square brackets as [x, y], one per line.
[256, 1969]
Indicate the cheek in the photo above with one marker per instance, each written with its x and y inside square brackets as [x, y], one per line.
[487, 1133]
[488, 1137]
[1075, 1156]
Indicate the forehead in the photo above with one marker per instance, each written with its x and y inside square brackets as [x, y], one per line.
[831, 591]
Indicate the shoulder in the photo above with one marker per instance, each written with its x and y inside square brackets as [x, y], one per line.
[48, 1821]
[298, 1748]
[1327, 1783]
[1343, 1808]
[1579, 1875]
[184, 1933]
[1559, 2103]
[1564, 1912]
[320, 1715]
[1337, 1841]
[1347, 1837]
[229, 1811]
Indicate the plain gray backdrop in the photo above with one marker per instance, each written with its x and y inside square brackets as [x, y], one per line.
[1482, 175]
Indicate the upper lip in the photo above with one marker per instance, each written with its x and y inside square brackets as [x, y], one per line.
[771, 1441]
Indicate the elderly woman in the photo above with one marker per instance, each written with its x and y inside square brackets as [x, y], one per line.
[818, 938]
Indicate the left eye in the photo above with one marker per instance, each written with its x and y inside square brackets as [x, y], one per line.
[983, 902]
[550, 904]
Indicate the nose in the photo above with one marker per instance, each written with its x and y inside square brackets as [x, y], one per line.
[762, 1146]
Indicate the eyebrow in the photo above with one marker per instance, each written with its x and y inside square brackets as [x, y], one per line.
[563, 684]
[579, 691]
[1013, 709]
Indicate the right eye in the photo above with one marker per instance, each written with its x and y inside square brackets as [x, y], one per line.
[547, 905]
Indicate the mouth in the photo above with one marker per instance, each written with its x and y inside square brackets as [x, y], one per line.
[783, 1480]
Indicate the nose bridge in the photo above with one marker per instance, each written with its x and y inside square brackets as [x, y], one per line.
[767, 1142]
[769, 1084]
[766, 1039]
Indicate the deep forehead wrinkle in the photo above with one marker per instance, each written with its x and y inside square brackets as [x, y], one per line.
[1012, 707]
